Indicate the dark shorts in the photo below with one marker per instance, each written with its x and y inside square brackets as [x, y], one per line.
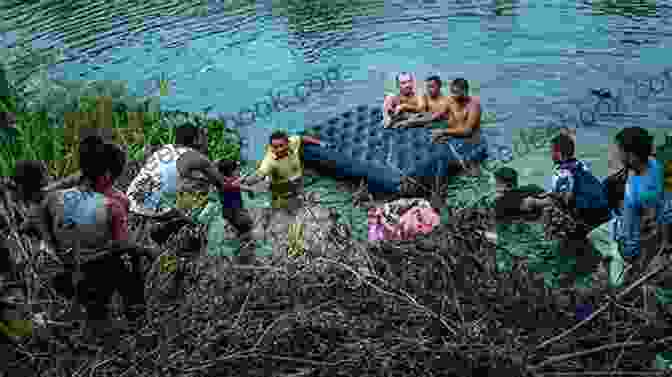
[102, 277]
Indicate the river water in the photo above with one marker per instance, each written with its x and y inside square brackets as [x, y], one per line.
[534, 62]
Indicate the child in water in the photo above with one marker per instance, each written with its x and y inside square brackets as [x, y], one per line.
[227, 205]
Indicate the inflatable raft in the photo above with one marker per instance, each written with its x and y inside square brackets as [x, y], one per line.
[359, 147]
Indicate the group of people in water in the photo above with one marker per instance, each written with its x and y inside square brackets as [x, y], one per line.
[623, 217]
[456, 116]
[626, 217]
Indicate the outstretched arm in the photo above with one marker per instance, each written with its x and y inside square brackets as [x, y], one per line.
[222, 182]
[64, 183]
[253, 179]
[311, 140]
[468, 126]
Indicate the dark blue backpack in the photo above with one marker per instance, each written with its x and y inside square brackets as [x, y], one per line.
[590, 197]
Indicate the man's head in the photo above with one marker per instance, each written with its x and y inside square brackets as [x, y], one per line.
[506, 179]
[562, 148]
[30, 176]
[634, 144]
[459, 89]
[406, 83]
[227, 168]
[434, 86]
[189, 135]
[279, 142]
[101, 163]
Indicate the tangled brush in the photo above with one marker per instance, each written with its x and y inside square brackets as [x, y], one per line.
[433, 306]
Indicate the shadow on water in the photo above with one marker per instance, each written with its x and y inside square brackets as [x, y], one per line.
[309, 20]
[625, 8]
[506, 7]
[314, 16]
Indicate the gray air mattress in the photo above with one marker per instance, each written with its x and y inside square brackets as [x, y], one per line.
[359, 147]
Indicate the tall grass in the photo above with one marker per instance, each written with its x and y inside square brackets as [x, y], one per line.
[36, 139]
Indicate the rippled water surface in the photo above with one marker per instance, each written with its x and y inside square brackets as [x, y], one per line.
[535, 61]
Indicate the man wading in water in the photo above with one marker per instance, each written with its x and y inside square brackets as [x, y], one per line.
[406, 101]
[284, 165]
[462, 114]
[434, 101]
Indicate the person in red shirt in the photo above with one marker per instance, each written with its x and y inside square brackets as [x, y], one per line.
[93, 218]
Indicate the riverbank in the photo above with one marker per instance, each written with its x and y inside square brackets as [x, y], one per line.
[434, 306]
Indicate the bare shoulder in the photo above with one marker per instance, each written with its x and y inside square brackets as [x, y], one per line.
[446, 100]
[475, 102]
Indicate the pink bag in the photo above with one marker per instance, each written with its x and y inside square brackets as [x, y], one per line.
[376, 232]
[418, 220]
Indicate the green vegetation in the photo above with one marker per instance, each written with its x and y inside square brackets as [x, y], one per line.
[36, 139]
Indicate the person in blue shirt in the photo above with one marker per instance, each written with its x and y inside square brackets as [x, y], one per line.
[566, 164]
[569, 173]
[643, 200]
[664, 157]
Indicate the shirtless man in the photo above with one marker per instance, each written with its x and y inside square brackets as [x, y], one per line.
[434, 101]
[464, 114]
[463, 119]
[406, 101]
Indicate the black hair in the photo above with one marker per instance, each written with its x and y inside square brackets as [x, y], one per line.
[461, 84]
[115, 158]
[186, 134]
[30, 175]
[565, 144]
[507, 175]
[435, 78]
[279, 134]
[97, 157]
[227, 167]
[91, 149]
[635, 140]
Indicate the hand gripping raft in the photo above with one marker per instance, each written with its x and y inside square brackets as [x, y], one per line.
[360, 147]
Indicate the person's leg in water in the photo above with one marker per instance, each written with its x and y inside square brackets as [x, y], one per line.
[602, 239]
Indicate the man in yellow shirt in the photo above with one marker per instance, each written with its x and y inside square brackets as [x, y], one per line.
[284, 165]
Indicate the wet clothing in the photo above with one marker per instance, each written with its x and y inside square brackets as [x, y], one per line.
[589, 203]
[643, 207]
[286, 173]
[221, 207]
[563, 176]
